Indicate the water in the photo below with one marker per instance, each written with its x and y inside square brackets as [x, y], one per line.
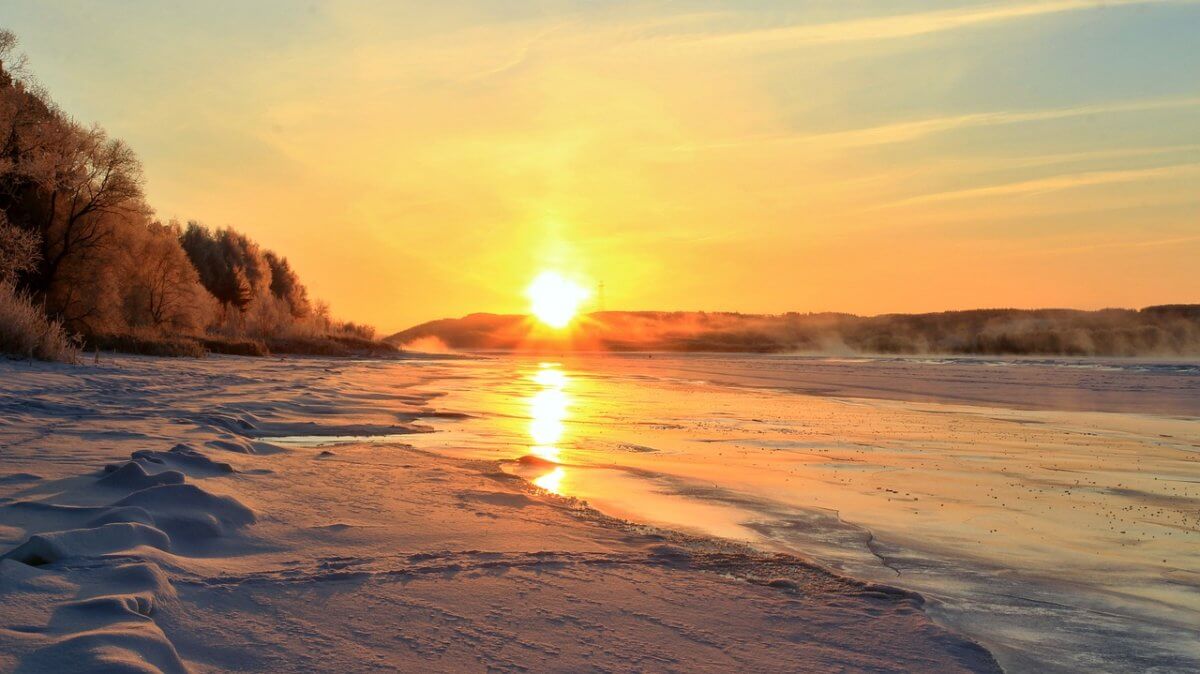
[1048, 508]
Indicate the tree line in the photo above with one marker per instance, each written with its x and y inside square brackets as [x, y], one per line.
[79, 243]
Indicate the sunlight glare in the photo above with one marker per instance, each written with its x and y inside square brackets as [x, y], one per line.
[552, 481]
[550, 378]
[555, 300]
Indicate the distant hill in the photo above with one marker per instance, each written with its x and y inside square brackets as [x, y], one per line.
[1168, 330]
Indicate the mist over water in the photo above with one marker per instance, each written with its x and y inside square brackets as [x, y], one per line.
[1163, 331]
[1046, 507]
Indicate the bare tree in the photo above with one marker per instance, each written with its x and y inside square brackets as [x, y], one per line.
[165, 289]
[32, 129]
[98, 177]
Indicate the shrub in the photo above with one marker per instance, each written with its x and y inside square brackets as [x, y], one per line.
[26, 332]
[18, 250]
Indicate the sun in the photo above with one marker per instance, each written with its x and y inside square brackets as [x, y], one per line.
[555, 300]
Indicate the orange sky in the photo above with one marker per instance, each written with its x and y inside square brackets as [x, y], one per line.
[769, 156]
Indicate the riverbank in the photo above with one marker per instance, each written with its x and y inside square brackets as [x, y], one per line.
[149, 521]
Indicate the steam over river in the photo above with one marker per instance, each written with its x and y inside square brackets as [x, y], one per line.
[1048, 508]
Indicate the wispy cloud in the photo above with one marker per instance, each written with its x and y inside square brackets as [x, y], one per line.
[905, 25]
[993, 162]
[1053, 184]
[902, 132]
[906, 131]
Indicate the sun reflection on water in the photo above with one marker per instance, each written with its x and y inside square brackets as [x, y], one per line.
[552, 481]
[548, 409]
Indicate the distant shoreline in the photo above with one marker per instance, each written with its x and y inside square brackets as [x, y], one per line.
[1158, 331]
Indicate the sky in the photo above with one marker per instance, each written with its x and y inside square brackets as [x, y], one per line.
[416, 161]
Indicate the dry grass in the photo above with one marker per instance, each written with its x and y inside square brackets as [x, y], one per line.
[147, 343]
[234, 347]
[329, 345]
[27, 333]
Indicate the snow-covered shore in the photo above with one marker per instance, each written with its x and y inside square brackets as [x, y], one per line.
[148, 523]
